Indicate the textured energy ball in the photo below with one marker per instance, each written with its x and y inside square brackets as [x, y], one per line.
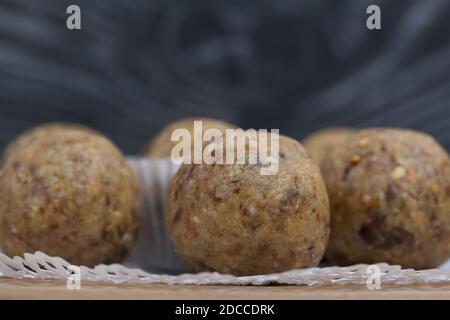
[389, 195]
[232, 219]
[161, 146]
[29, 136]
[320, 142]
[70, 194]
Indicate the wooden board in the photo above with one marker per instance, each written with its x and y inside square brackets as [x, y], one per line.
[52, 289]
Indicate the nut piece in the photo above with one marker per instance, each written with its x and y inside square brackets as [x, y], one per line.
[70, 194]
[398, 172]
[231, 219]
[161, 146]
[393, 205]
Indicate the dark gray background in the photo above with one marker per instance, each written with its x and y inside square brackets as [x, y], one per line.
[295, 65]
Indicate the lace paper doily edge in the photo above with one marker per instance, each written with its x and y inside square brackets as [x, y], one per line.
[41, 266]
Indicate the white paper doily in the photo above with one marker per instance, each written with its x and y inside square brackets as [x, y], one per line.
[41, 266]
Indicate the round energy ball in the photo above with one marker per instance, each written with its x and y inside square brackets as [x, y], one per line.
[232, 219]
[319, 143]
[43, 130]
[161, 146]
[389, 195]
[70, 194]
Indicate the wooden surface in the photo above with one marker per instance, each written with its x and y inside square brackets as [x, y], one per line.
[51, 289]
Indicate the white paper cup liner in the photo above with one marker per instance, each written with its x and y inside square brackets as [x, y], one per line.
[153, 250]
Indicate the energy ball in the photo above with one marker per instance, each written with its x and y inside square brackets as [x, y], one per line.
[232, 219]
[161, 146]
[320, 142]
[70, 194]
[389, 195]
[43, 130]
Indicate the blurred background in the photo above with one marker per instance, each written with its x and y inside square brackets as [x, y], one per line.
[295, 65]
